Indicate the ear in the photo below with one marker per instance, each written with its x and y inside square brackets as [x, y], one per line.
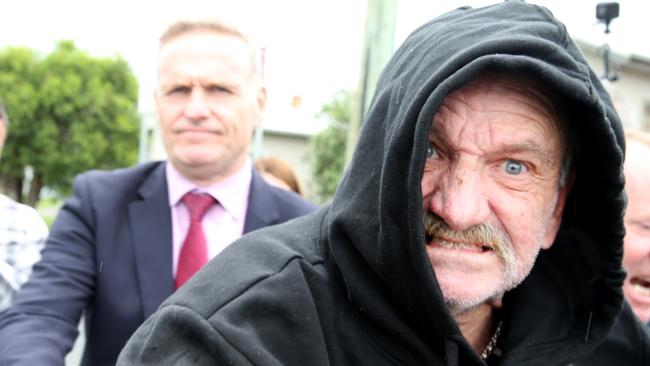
[556, 217]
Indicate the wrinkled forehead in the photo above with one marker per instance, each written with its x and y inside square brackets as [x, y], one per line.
[514, 93]
[517, 88]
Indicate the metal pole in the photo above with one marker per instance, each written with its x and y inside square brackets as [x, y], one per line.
[378, 45]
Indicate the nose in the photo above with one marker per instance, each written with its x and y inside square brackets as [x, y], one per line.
[197, 107]
[460, 198]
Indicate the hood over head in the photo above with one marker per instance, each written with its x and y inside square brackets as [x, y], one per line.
[374, 226]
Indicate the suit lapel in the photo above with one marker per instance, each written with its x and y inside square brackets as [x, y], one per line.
[151, 228]
[262, 211]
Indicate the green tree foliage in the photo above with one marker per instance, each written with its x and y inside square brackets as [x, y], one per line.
[69, 112]
[328, 147]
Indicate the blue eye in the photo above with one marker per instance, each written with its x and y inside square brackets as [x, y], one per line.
[431, 151]
[514, 167]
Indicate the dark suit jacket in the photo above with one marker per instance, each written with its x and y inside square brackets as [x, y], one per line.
[110, 253]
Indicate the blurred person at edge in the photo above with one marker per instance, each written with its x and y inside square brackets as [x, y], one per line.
[278, 173]
[22, 235]
[117, 248]
[479, 222]
[636, 255]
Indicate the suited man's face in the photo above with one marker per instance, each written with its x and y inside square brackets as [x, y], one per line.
[209, 101]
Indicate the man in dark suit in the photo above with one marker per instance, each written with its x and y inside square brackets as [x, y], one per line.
[127, 238]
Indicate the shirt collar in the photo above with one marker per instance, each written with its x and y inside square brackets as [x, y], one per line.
[232, 193]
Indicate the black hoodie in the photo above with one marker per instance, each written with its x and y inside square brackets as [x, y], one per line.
[352, 285]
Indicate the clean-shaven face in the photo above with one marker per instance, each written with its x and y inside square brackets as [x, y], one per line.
[490, 188]
[209, 102]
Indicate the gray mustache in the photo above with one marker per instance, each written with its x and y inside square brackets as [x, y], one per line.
[488, 235]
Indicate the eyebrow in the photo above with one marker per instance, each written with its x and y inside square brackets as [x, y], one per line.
[184, 82]
[545, 155]
[171, 83]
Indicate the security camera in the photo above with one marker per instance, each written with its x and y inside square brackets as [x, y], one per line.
[605, 12]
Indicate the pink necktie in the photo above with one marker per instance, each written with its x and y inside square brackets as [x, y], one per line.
[194, 253]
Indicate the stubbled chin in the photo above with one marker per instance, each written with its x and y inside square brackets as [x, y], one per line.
[466, 278]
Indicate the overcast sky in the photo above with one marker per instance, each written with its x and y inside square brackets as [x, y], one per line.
[313, 45]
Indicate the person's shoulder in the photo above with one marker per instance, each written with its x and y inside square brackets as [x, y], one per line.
[19, 210]
[285, 201]
[7, 203]
[294, 201]
[117, 180]
[21, 217]
[253, 297]
[269, 250]
[295, 239]
[121, 174]
[287, 251]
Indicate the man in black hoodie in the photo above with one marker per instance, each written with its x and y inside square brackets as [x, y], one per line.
[480, 221]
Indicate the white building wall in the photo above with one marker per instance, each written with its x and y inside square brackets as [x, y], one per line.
[630, 92]
[294, 149]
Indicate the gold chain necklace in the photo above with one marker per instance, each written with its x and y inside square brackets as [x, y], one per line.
[493, 342]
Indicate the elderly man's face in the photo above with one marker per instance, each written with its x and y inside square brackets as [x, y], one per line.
[490, 188]
[636, 258]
